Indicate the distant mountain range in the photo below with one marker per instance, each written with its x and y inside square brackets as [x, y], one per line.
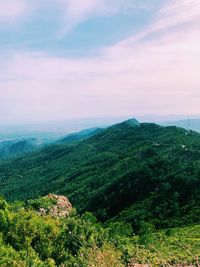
[13, 148]
[82, 135]
[129, 172]
[52, 131]
[189, 124]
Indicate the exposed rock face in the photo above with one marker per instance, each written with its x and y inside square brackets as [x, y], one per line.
[61, 208]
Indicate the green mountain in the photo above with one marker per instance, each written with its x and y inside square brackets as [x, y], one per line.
[13, 148]
[128, 172]
[16, 147]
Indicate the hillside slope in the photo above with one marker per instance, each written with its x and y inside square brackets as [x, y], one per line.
[80, 136]
[13, 148]
[130, 171]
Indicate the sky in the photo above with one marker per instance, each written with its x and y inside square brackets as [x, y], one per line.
[65, 59]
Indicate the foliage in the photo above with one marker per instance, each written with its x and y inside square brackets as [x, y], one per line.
[141, 181]
[13, 148]
[128, 172]
[29, 239]
[42, 202]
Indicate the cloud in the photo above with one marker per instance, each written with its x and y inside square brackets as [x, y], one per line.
[72, 12]
[75, 11]
[11, 10]
[157, 75]
[173, 14]
[161, 76]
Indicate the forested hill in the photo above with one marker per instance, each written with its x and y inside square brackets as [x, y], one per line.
[130, 171]
[13, 148]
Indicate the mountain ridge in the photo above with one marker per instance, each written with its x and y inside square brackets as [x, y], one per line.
[149, 171]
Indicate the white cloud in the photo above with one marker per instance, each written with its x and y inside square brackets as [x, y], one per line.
[73, 12]
[174, 13]
[160, 75]
[10, 10]
[178, 13]
[76, 11]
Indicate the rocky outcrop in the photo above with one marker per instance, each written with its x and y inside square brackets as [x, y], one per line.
[61, 208]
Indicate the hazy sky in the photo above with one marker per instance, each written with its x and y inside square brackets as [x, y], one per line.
[63, 59]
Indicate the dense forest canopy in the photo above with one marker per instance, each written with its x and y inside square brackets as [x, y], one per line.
[128, 172]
